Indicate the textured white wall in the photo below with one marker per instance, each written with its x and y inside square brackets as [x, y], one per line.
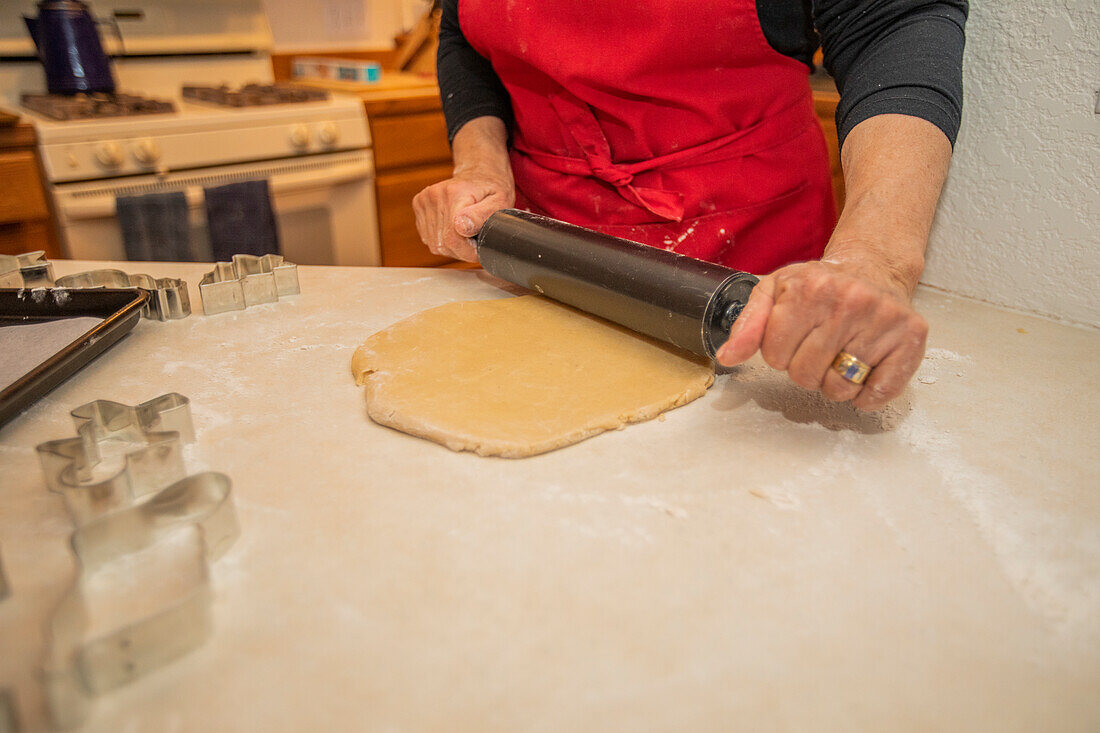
[1019, 221]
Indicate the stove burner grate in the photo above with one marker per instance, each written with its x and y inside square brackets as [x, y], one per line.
[94, 106]
[253, 95]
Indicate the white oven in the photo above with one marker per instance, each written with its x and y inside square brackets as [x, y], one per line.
[314, 151]
[324, 206]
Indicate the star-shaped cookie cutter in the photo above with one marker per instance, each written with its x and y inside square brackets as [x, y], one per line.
[77, 668]
[247, 280]
[162, 424]
[168, 296]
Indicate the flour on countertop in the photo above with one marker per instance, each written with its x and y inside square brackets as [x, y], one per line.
[773, 391]
[787, 495]
[929, 371]
[633, 537]
[555, 493]
[944, 355]
[1055, 581]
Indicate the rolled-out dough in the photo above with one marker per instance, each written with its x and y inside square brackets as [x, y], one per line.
[519, 376]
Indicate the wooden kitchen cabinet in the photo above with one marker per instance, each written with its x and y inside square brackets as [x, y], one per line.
[401, 245]
[826, 98]
[25, 221]
[411, 152]
[415, 139]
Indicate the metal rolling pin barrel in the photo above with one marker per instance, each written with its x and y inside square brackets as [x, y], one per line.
[671, 297]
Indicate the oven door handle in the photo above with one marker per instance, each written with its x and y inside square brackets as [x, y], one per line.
[101, 203]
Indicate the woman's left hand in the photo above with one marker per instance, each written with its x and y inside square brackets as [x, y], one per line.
[856, 299]
[801, 316]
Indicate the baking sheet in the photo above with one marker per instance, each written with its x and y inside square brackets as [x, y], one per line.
[48, 334]
[25, 346]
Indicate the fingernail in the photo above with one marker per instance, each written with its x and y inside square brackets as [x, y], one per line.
[465, 226]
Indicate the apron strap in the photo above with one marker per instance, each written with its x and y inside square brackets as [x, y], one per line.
[577, 117]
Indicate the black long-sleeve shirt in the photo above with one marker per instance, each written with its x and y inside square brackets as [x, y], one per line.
[887, 56]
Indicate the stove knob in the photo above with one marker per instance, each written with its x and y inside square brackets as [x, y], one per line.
[146, 152]
[328, 133]
[299, 136]
[109, 155]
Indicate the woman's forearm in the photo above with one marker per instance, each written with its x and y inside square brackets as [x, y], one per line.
[450, 213]
[855, 301]
[482, 144]
[894, 169]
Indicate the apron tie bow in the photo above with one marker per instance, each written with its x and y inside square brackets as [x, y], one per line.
[608, 172]
[581, 123]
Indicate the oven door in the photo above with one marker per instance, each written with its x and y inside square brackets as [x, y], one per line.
[324, 205]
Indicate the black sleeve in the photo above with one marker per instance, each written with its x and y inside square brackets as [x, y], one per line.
[894, 56]
[467, 83]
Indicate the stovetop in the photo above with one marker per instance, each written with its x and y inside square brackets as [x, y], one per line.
[98, 136]
[78, 118]
[253, 95]
[94, 106]
[62, 108]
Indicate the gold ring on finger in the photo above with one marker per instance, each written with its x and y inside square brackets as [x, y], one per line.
[851, 368]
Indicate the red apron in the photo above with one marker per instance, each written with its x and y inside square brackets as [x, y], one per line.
[670, 122]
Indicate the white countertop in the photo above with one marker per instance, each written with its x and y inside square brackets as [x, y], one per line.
[757, 560]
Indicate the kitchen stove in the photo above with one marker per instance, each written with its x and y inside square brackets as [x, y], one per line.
[90, 106]
[189, 134]
[253, 95]
[228, 123]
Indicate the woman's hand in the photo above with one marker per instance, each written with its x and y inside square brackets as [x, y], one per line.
[856, 299]
[450, 213]
[801, 316]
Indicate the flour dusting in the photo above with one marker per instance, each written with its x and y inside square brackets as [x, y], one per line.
[944, 355]
[1058, 581]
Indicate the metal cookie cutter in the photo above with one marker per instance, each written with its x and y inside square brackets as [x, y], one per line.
[77, 667]
[247, 280]
[27, 270]
[162, 424]
[168, 297]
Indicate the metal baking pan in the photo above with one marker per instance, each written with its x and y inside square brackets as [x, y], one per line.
[119, 308]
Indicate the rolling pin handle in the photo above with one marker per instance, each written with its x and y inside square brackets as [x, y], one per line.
[730, 315]
[726, 305]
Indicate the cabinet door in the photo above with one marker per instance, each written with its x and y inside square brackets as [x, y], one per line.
[825, 106]
[401, 245]
[410, 139]
[25, 224]
[28, 236]
[21, 197]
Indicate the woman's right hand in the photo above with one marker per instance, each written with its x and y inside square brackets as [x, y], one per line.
[450, 213]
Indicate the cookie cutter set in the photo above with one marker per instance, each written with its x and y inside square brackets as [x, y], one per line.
[138, 508]
[245, 281]
[168, 298]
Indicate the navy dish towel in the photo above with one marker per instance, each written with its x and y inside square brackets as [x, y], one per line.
[241, 220]
[155, 227]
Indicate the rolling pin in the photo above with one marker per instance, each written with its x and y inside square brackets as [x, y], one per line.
[674, 298]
